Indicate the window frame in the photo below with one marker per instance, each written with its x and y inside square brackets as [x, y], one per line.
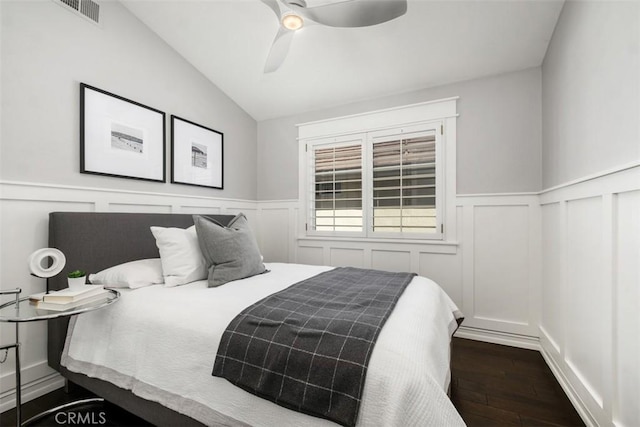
[439, 113]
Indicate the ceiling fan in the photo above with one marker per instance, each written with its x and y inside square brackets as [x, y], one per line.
[293, 14]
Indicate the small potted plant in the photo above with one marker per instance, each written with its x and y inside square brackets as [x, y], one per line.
[77, 279]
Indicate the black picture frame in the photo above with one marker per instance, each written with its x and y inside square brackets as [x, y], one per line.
[197, 154]
[120, 137]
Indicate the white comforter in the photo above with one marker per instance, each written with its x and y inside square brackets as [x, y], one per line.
[161, 344]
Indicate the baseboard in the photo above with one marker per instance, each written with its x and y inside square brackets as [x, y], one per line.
[575, 399]
[503, 338]
[31, 390]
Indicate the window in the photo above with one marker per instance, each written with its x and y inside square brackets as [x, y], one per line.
[393, 174]
[389, 181]
[405, 184]
[337, 187]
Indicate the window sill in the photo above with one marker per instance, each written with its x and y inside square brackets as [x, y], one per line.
[426, 246]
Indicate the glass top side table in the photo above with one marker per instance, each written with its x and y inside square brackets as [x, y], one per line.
[22, 310]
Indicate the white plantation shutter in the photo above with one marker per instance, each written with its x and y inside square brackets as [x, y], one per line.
[404, 184]
[337, 188]
[381, 176]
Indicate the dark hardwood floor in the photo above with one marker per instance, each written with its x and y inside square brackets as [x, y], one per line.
[492, 385]
[495, 385]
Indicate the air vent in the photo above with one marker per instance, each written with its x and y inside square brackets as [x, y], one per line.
[75, 4]
[86, 8]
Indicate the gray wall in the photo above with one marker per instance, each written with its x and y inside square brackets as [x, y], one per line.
[499, 136]
[591, 91]
[47, 51]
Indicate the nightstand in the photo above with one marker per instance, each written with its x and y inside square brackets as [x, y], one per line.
[21, 310]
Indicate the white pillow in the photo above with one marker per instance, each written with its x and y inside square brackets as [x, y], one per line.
[134, 274]
[182, 260]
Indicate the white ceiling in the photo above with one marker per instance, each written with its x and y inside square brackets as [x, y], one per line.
[435, 43]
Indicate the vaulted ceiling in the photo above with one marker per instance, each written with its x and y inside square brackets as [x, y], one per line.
[434, 43]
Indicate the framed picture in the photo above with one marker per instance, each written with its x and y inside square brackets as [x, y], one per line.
[197, 154]
[120, 137]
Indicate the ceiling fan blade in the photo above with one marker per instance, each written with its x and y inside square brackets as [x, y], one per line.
[279, 50]
[352, 13]
[273, 5]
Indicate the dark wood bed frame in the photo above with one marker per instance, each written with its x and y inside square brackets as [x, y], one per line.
[93, 242]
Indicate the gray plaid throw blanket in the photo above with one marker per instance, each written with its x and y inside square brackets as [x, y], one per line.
[307, 347]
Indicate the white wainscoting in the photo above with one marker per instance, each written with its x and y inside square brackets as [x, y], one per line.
[583, 302]
[500, 245]
[590, 317]
[24, 210]
[492, 272]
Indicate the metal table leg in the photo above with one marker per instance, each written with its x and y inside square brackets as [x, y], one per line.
[18, 380]
[16, 345]
[17, 373]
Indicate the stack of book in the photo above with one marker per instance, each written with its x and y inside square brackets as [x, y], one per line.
[66, 299]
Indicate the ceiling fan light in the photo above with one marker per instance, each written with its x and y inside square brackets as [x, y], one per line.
[292, 21]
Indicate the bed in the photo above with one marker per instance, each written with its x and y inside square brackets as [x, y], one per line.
[152, 352]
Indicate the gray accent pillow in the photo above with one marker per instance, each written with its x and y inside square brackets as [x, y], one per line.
[230, 252]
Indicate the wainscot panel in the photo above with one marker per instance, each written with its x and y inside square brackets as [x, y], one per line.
[553, 290]
[590, 325]
[310, 255]
[500, 245]
[626, 321]
[275, 240]
[391, 260]
[584, 352]
[501, 242]
[347, 257]
[139, 207]
[200, 210]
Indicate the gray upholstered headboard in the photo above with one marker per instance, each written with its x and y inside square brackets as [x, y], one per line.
[95, 241]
